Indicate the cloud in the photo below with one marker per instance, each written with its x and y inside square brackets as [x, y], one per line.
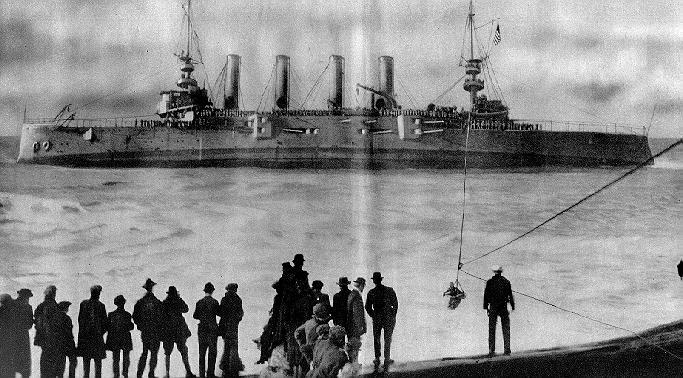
[598, 92]
[21, 43]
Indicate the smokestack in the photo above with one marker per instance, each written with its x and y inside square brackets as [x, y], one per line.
[282, 82]
[232, 85]
[386, 75]
[336, 100]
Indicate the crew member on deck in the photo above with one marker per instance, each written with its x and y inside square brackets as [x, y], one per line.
[497, 294]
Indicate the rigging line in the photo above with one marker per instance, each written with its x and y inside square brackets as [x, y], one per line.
[412, 101]
[266, 88]
[584, 199]
[315, 84]
[464, 195]
[449, 89]
[586, 317]
[497, 83]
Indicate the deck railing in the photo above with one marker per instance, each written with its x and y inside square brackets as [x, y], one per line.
[453, 119]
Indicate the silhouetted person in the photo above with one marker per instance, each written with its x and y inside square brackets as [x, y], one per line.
[355, 319]
[319, 296]
[497, 294]
[299, 273]
[44, 311]
[176, 330]
[340, 303]
[6, 336]
[147, 315]
[680, 269]
[206, 311]
[382, 306]
[58, 343]
[328, 355]
[455, 296]
[23, 322]
[92, 325]
[231, 313]
[119, 340]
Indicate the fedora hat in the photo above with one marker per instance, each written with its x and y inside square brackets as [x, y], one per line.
[377, 277]
[497, 269]
[360, 280]
[149, 284]
[343, 281]
[298, 258]
[172, 290]
[209, 288]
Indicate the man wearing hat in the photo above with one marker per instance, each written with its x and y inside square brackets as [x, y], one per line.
[355, 319]
[318, 295]
[382, 306]
[231, 314]
[147, 315]
[119, 341]
[206, 311]
[23, 320]
[92, 325]
[340, 303]
[176, 331]
[497, 294]
[300, 275]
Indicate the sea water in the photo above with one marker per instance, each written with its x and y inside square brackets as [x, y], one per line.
[612, 258]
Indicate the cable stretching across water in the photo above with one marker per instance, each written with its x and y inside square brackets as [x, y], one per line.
[585, 317]
[584, 199]
[464, 197]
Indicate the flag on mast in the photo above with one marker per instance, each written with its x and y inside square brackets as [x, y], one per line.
[496, 37]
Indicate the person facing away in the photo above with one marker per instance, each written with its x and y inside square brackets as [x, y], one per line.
[340, 303]
[58, 344]
[206, 311]
[328, 355]
[382, 306]
[23, 322]
[45, 308]
[497, 295]
[318, 295]
[6, 336]
[119, 341]
[175, 330]
[307, 334]
[231, 314]
[92, 325]
[147, 315]
[355, 319]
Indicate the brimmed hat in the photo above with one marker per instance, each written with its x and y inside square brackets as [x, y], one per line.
[209, 288]
[25, 293]
[343, 281]
[497, 269]
[149, 284]
[317, 284]
[231, 286]
[120, 300]
[377, 277]
[298, 258]
[360, 280]
[172, 290]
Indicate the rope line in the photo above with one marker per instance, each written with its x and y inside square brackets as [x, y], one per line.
[464, 196]
[585, 317]
[584, 199]
[315, 85]
[448, 90]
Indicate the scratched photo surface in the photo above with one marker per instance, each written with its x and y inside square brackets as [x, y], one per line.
[613, 258]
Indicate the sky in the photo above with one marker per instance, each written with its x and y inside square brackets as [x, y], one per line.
[605, 62]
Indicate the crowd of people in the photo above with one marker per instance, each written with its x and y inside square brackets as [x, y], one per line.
[306, 334]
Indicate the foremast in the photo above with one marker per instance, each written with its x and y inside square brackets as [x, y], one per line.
[473, 65]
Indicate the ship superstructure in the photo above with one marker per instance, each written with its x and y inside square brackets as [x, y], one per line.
[190, 130]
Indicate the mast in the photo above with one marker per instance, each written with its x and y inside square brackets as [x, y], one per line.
[473, 66]
[186, 80]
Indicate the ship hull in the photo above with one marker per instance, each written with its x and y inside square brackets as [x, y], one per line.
[324, 142]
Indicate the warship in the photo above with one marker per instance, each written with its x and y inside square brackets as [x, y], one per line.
[189, 130]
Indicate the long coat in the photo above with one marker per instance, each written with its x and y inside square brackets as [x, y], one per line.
[147, 315]
[92, 325]
[340, 307]
[355, 315]
[231, 313]
[175, 327]
[43, 311]
[23, 321]
[120, 325]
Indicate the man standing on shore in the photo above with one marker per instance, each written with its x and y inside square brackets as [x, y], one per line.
[147, 315]
[231, 314]
[340, 303]
[382, 306]
[355, 319]
[497, 294]
[24, 322]
[207, 331]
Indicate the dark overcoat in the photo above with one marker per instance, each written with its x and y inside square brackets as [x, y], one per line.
[92, 325]
[120, 325]
[147, 315]
[231, 313]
